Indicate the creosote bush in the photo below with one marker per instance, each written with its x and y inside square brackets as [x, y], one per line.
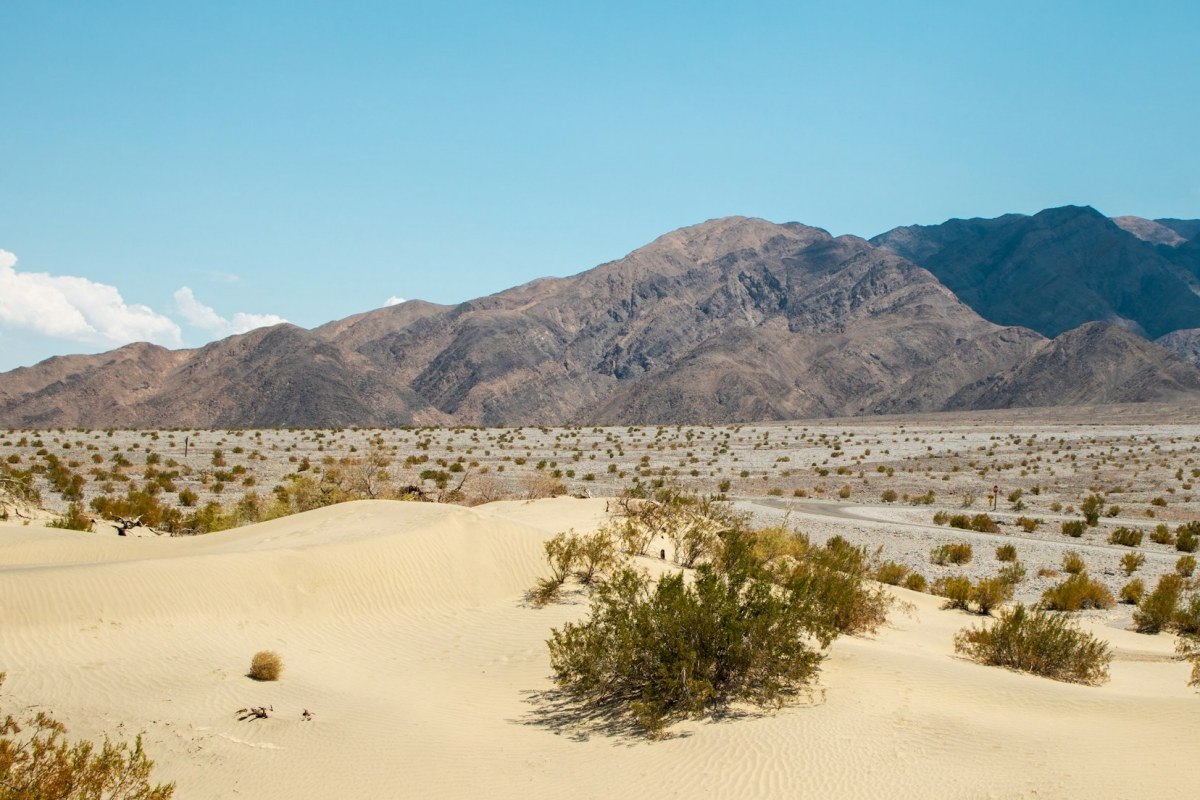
[1040, 643]
[1187, 537]
[1157, 610]
[1072, 563]
[1076, 593]
[1133, 592]
[37, 762]
[951, 553]
[1006, 553]
[916, 582]
[1073, 528]
[891, 573]
[741, 630]
[1132, 562]
[1185, 566]
[1129, 537]
[266, 665]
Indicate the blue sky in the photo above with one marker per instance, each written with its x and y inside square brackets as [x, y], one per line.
[179, 171]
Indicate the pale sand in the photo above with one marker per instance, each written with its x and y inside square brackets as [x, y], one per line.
[403, 629]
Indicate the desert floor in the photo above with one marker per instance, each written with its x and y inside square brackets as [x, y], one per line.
[405, 632]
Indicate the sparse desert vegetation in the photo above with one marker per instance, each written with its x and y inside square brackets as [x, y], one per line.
[1039, 642]
[266, 665]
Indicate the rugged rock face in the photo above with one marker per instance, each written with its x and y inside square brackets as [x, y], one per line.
[1185, 344]
[1095, 363]
[1061, 268]
[735, 319]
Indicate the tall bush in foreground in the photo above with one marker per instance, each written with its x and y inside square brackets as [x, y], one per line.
[740, 631]
[37, 762]
[1038, 642]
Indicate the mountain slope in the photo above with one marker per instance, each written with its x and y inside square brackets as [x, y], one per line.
[735, 319]
[1058, 269]
[1094, 364]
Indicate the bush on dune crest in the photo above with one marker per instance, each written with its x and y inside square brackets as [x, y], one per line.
[740, 627]
[1039, 642]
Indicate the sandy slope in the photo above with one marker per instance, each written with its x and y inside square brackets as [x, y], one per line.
[403, 631]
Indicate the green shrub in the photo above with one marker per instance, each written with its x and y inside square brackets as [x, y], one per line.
[984, 524]
[1028, 525]
[654, 652]
[1129, 537]
[1162, 535]
[1188, 648]
[1133, 592]
[1006, 552]
[37, 762]
[1040, 643]
[1091, 507]
[891, 573]
[951, 553]
[1185, 566]
[1131, 562]
[956, 589]
[1073, 528]
[1072, 563]
[73, 520]
[989, 593]
[1157, 610]
[1076, 593]
[940, 518]
[960, 521]
[916, 582]
[1187, 618]
[1012, 574]
[265, 666]
[889, 496]
[1187, 537]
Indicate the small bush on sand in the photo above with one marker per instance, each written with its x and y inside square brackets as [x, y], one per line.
[1006, 553]
[595, 555]
[73, 520]
[1038, 642]
[1072, 563]
[940, 518]
[265, 666]
[1076, 593]
[1133, 592]
[1188, 647]
[891, 573]
[888, 496]
[988, 593]
[1157, 610]
[1132, 562]
[916, 582]
[956, 589]
[1073, 528]
[37, 762]
[951, 553]
[1185, 566]
[1129, 537]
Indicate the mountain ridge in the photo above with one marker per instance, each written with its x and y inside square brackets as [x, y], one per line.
[734, 319]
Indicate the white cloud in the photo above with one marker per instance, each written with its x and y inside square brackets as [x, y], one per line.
[77, 309]
[393, 301]
[207, 319]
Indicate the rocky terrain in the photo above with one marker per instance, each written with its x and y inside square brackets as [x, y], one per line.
[735, 319]
[1063, 267]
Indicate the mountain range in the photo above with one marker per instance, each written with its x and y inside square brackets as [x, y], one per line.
[735, 319]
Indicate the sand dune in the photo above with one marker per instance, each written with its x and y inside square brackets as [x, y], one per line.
[403, 630]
